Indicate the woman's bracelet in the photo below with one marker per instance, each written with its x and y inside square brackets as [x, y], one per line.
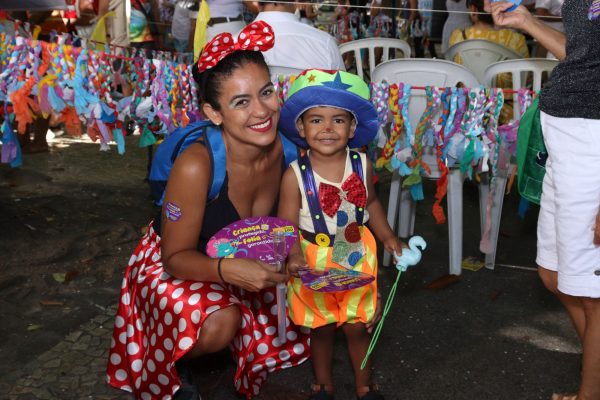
[219, 270]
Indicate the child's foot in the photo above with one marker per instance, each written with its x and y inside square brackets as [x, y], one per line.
[321, 392]
[370, 392]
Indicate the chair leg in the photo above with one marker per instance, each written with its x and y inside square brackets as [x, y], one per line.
[392, 211]
[455, 220]
[484, 190]
[406, 217]
[490, 258]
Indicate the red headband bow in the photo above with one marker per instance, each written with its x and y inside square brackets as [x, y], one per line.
[258, 36]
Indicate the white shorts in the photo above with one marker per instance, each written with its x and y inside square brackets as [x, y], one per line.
[569, 204]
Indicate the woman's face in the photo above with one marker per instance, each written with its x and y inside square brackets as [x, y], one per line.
[249, 108]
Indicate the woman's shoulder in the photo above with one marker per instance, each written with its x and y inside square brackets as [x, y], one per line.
[195, 159]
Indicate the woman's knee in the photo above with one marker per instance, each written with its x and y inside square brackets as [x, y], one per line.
[549, 279]
[591, 307]
[220, 328]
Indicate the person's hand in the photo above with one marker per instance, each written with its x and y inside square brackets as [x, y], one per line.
[376, 317]
[518, 19]
[295, 263]
[597, 229]
[250, 274]
[393, 245]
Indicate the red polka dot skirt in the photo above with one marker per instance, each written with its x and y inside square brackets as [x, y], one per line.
[159, 320]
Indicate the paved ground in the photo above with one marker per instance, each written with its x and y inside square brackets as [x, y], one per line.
[492, 334]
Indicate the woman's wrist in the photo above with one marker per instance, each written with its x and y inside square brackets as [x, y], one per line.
[220, 270]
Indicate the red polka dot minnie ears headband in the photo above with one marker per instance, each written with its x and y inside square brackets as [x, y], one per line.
[258, 36]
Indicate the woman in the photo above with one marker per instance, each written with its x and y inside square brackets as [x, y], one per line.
[569, 222]
[483, 28]
[457, 19]
[176, 303]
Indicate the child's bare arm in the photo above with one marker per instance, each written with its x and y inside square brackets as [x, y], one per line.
[290, 202]
[377, 218]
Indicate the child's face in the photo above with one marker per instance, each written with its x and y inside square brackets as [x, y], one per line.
[327, 130]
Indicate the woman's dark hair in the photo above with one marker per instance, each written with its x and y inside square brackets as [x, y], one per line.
[209, 81]
[485, 18]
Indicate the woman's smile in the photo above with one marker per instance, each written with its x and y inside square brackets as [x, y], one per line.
[262, 126]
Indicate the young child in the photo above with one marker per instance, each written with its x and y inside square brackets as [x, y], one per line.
[329, 194]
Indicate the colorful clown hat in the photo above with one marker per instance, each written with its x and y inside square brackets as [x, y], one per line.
[340, 89]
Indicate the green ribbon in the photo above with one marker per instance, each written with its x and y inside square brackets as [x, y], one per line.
[147, 138]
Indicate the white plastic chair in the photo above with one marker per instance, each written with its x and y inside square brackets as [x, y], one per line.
[477, 54]
[401, 206]
[276, 70]
[519, 70]
[371, 44]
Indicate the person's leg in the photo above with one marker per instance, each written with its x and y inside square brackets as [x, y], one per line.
[217, 332]
[574, 305]
[590, 382]
[358, 340]
[321, 344]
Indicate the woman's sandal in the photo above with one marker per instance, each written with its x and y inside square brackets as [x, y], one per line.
[321, 392]
[371, 393]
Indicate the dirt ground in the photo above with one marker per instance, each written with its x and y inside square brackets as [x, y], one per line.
[69, 219]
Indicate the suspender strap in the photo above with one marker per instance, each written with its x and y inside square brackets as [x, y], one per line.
[357, 168]
[312, 195]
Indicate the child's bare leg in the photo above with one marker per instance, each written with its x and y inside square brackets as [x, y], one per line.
[321, 344]
[358, 340]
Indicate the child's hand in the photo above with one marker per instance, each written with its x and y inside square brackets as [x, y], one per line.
[296, 262]
[394, 245]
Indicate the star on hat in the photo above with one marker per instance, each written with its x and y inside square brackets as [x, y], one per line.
[337, 83]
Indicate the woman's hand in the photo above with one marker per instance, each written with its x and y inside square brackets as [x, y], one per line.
[597, 229]
[251, 275]
[295, 263]
[376, 317]
[518, 18]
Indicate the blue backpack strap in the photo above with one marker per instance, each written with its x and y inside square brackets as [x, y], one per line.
[218, 161]
[290, 151]
[357, 168]
[312, 195]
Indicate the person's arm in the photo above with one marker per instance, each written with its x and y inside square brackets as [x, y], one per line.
[290, 202]
[103, 6]
[185, 199]
[414, 5]
[553, 40]
[252, 6]
[377, 218]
